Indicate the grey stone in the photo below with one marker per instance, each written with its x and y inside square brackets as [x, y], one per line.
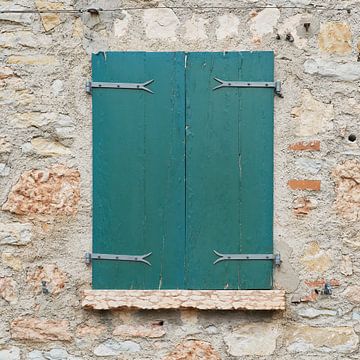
[15, 233]
[338, 71]
[245, 339]
[160, 23]
[35, 355]
[12, 353]
[312, 313]
[4, 170]
[310, 166]
[57, 87]
[113, 348]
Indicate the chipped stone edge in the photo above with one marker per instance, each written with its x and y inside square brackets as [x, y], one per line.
[182, 299]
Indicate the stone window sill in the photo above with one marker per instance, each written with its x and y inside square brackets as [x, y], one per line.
[182, 299]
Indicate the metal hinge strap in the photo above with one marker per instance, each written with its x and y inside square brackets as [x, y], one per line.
[111, 85]
[225, 257]
[276, 85]
[137, 258]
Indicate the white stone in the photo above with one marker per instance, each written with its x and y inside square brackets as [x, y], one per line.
[35, 355]
[64, 127]
[311, 166]
[356, 316]
[348, 71]
[244, 340]
[53, 354]
[228, 26]
[289, 27]
[4, 170]
[113, 348]
[312, 313]
[160, 23]
[265, 21]
[312, 117]
[15, 233]
[26, 148]
[121, 26]
[46, 147]
[57, 87]
[12, 353]
[195, 28]
[303, 338]
[346, 267]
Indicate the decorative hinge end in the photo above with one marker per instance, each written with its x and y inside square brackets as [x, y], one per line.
[88, 87]
[87, 258]
[277, 89]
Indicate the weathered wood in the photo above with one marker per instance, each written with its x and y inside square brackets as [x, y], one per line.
[138, 170]
[176, 299]
[229, 170]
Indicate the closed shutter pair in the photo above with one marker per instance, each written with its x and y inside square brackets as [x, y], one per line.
[181, 169]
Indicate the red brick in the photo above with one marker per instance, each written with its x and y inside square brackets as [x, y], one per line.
[319, 283]
[312, 185]
[306, 146]
[312, 297]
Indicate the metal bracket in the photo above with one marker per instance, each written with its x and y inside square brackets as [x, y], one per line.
[137, 258]
[276, 85]
[110, 85]
[224, 257]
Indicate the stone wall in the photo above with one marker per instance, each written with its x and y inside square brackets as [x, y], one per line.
[45, 181]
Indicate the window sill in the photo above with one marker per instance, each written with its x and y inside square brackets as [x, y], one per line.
[182, 299]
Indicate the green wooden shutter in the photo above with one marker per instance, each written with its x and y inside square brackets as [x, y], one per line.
[138, 170]
[184, 171]
[229, 170]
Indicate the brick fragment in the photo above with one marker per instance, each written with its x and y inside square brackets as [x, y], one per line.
[305, 146]
[311, 185]
[321, 283]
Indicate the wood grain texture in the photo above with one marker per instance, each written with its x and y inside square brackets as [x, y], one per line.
[182, 299]
[138, 170]
[229, 170]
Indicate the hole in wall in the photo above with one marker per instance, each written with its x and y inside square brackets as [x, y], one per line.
[352, 137]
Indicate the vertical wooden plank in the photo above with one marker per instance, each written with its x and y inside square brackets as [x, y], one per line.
[138, 170]
[229, 170]
[212, 170]
[256, 149]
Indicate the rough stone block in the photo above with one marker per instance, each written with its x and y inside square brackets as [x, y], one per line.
[12, 261]
[347, 188]
[228, 26]
[49, 20]
[32, 60]
[315, 259]
[10, 353]
[193, 350]
[312, 117]
[195, 28]
[264, 22]
[47, 147]
[303, 338]
[245, 340]
[53, 191]
[348, 71]
[48, 277]
[129, 331]
[113, 348]
[160, 23]
[8, 290]
[335, 37]
[41, 330]
[15, 233]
